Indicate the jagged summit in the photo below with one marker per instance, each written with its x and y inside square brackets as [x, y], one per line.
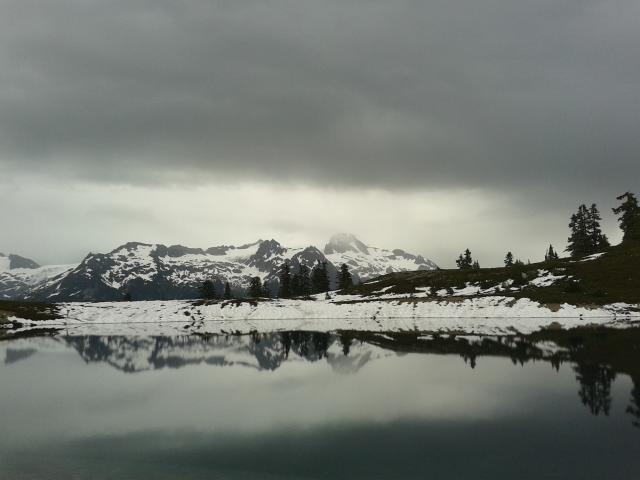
[145, 271]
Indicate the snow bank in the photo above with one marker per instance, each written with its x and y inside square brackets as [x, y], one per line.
[485, 315]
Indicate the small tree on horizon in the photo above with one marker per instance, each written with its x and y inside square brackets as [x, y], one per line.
[465, 261]
[476, 265]
[508, 260]
[629, 216]
[550, 255]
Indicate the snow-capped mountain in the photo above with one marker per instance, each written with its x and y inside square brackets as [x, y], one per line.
[19, 275]
[367, 262]
[157, 272]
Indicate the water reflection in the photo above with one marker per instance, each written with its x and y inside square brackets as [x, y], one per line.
[596, 355]
[634, 405]
[347, 405]
[595, 386]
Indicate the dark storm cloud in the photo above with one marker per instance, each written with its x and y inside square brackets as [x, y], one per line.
[483, 93]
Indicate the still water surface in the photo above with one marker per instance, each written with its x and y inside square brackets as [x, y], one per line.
[311, 405]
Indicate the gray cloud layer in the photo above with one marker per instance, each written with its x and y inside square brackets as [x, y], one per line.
[489, 93]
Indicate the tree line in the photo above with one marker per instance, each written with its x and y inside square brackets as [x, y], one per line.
[306, 282]
[301, 283]
[585, 233]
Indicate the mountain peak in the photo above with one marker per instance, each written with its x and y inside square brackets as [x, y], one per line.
[345, 242]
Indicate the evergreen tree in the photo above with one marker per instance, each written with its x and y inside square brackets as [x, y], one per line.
[208, 290]
[476, 265]
[255, 287]
[344, 277]
[227, 290]
[465, 261]
[586, 235]
[508, 260]
[629, 212]
[597, 240]
[579, 241]
[550, 255]
[285, 280]
[326, 284]
[319, 278]
[304, 280]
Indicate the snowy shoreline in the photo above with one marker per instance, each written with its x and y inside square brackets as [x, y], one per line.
[479, 315]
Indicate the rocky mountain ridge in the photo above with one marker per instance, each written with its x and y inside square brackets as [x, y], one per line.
[158, 272]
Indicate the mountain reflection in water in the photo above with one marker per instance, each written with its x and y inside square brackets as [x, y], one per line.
[596, 355]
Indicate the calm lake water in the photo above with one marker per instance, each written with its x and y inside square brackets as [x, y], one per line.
[311, 405]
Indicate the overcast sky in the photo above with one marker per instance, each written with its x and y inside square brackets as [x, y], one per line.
[424, 125]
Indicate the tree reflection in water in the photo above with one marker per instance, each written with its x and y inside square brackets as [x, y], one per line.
[634, 405]
[597, 355]
[595, 386]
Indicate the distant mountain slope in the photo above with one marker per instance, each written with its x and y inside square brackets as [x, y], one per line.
[19, 275]
[157, 272]
[367, 262]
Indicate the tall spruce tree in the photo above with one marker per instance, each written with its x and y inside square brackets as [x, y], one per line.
[476, 265]
[326, 284]
[344, 277]
[586, 235]
[629, 213]
[319, 278]
[227, 290]
[304, 280]
[598, 241]
[579, 241]
[295, 285]
[255, 287]
[508, 259]
[285, 280]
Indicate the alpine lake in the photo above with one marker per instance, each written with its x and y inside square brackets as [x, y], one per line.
[309, 405]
